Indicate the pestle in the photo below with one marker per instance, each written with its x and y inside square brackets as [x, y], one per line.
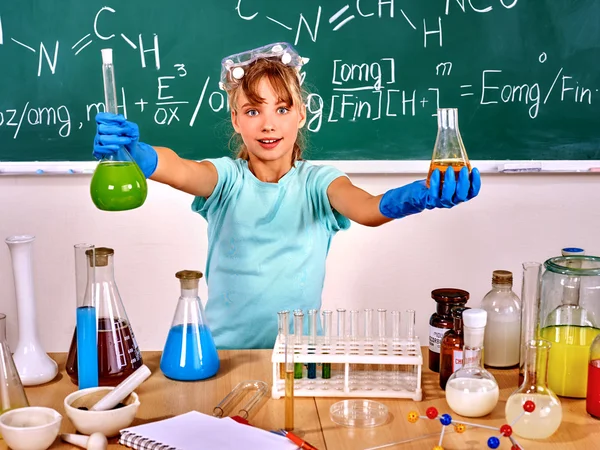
[96, 441]
[122, 390]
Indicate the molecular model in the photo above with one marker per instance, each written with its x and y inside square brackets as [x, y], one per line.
[460, 426]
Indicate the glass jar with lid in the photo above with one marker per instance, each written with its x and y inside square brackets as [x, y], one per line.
[442, 321]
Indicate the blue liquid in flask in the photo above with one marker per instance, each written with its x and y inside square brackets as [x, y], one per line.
[189, 355]
[87, 347]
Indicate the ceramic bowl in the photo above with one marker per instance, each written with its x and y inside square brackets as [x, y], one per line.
[106, 422]
[30, 428]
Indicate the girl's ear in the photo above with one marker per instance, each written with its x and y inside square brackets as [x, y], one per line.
[234, 121]
[302, 111]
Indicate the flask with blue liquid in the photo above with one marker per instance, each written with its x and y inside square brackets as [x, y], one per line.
[190, 353]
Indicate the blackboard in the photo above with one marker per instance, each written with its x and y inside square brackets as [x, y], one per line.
[523, 74]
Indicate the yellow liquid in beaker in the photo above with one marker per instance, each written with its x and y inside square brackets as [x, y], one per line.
[569, 355]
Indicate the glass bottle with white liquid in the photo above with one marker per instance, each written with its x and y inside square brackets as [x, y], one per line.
[503, 329]
[542, 417]
[472, 391]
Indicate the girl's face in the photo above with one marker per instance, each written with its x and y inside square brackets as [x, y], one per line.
[268, 129]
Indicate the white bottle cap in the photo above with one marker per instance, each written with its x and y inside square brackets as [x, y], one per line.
[107, 56]
[474, 318]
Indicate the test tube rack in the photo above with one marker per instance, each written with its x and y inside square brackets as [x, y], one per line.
[360, 367]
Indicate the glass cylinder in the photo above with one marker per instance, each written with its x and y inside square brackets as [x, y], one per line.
[12, 394]
[442, 321]
[298, 333]
[503, 329]
[472, 391]
[451, 349]
[530, 308]
[327, 319]
[190, 353]
[283, 327]
[592, 402]
[542, 418]
[569, 315]
[449, 150]
[118, 352]
[312, 341]
[118, 183]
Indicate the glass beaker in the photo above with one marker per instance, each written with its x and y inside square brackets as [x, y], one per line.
[12, 394]
[118, 184]
[569, 319]
[118, 353]
[190, 353]
[592, 402]
[545, 418]
[449, 150]
[472, 391]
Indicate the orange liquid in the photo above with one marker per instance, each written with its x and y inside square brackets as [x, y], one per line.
[443, 164]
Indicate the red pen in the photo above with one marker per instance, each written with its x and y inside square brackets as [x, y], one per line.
[301, 443]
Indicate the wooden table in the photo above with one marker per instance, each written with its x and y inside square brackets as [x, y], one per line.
[162, 398]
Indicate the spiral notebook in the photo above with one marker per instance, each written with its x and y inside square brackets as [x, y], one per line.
[197, 431]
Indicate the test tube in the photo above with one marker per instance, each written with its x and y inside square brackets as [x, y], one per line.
[87, 324]
[312, 341]
[368, 324]
[298, 332]
[341, 324]
[283, 318]
[396, 333]
[326, 368]
[355, 369]
[381, 319]
[410, 324]
[289, 383]
[382, 333]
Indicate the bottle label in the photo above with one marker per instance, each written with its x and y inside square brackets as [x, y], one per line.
[457, 360]
[435, 337]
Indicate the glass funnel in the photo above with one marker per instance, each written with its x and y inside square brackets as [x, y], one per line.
[118, 353]
[569, 319]
[118, 184]
[190, 353]
[472, 391]
[449, 150]
[542, 418]
[12, 394]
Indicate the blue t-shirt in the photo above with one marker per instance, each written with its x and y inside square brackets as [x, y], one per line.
[267, 245]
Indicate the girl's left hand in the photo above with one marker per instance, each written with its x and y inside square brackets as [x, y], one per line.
[416, 197]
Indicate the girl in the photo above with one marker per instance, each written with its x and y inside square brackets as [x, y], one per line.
[271, 215]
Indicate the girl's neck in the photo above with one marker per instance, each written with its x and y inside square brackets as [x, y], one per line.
[268, 171]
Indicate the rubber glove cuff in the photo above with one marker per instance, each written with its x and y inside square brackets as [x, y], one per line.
[404, 201]
[146, 158]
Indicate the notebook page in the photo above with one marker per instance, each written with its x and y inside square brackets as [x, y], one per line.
[197, 431]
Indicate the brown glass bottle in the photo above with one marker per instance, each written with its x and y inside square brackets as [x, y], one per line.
[442, 321]
[451, 348]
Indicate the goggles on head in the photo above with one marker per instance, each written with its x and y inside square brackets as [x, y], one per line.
[233, 67]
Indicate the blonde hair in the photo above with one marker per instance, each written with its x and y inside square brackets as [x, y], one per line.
[285, 83]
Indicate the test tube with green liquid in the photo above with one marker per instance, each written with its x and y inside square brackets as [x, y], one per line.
[298, 332]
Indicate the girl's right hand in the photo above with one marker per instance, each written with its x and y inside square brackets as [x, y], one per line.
[114, 131]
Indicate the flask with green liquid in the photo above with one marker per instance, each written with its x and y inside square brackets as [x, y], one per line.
[118, 183]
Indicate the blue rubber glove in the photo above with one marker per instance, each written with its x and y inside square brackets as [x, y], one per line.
[416, 197]
[114, 131]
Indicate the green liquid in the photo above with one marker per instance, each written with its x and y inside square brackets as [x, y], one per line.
[326, 371]
[118, 186]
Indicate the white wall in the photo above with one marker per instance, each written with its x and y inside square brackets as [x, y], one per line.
[516, 218]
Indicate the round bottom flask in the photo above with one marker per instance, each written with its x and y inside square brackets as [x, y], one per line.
[533, 408]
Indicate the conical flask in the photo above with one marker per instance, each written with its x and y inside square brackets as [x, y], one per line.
[190, 353]
[118, 353]
[449, 150]
[118, 184]
[12, 394]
